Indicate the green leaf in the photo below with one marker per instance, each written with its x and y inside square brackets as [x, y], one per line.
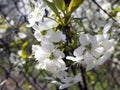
[117, 9]
[74, 4]
[1, 20]
[52, 6]
[114, 11]
[24, 51]
[24, 45]
[60, 4]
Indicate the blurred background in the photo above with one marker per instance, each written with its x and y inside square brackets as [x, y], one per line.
[17, 71]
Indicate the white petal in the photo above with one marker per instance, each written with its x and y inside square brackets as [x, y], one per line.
[37, 35]
[55, 82]
[61, 74]
[59, 54]
[31, 21]
[84, 39]
[48, 48]
[36, 27]
[47, 24]
[55, 36]
[22, 35]
[99, 38]
[50, 66]
[88, 58]
[106, 36]
[105, 57]
[61, 65]
[79, 51]
[102, 60]
[98, 51]
[77, 78]
[40, 55]
[35, 48]
[74, 59]
[63, 86]
[110, 43]
[107, 27]
[71, 58]
[90, 66]
[54, 66]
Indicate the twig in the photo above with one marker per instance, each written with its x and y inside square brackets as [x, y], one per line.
[104, 10]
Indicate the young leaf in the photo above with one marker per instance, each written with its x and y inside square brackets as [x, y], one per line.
[74, 4]
[53, 7]
[117, 9]
[24, 52]
[60, 4]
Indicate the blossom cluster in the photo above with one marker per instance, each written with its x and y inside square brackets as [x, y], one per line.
[61, 42]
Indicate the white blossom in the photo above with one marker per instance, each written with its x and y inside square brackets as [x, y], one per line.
[49, 36]
[94, 50]
[67, 81]
[45, 24]
[37, 14]
[64, 80]
[49, 58]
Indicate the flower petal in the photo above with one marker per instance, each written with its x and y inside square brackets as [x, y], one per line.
[84, 39]
[89, 60]
[79, 51]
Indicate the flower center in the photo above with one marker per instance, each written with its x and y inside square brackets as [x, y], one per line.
[51, 57]
[88, 47]
[43, 32]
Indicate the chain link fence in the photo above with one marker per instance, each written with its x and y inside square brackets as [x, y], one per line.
[14, 76]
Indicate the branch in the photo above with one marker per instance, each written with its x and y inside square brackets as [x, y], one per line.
[104, 10]
[83, 74]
